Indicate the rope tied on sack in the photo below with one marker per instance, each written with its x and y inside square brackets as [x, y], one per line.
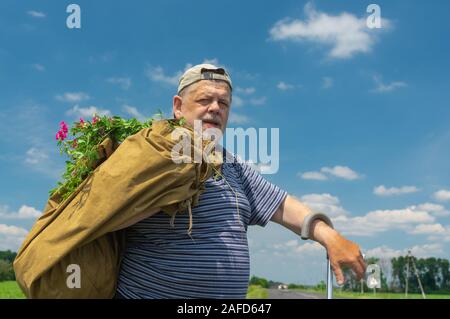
[188, 204]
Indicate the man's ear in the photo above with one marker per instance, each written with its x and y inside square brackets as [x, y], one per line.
[176, 108]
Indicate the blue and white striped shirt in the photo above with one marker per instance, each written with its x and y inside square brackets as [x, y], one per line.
[162, 261]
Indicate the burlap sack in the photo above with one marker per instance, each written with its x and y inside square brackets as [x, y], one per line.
[138, 179]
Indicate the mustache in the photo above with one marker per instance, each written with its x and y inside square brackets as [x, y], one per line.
[213, 119]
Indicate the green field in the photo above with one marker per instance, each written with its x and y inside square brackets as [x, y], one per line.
[10, 290]
[378, 295]
[257, 292]
[386, 295]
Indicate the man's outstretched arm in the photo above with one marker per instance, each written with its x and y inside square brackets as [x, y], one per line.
[341, 251]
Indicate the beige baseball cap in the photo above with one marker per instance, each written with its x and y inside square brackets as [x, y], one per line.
[203, 71]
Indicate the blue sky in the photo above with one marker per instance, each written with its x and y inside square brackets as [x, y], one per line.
[363, 114]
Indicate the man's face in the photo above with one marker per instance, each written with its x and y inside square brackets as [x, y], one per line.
[205, 100]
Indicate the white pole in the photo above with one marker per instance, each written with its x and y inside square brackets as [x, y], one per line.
[407, 275]
[418, 278]
[329, 280]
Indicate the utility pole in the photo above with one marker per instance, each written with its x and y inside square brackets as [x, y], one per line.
[407, 275]
[418, 278]
[416, 272]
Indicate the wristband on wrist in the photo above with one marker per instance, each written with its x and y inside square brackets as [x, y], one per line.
[306, 231]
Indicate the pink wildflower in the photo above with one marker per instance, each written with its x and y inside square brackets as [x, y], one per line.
[63, 126]
[61, 135]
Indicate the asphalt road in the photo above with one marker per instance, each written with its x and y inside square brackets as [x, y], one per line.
[291, 294]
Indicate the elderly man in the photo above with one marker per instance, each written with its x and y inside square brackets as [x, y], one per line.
[163, 261]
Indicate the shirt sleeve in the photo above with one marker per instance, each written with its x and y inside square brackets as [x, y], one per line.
[263, 196]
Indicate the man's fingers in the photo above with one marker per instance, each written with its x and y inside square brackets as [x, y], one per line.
[358, 268]
[338, 273]
[363, 264]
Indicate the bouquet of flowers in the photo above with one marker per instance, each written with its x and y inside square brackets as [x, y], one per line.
[82, 146]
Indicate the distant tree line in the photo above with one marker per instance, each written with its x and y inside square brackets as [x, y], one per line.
[259, 282]
[6, 268]
[434, 274]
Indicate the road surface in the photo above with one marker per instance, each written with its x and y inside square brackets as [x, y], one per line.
[292, 294]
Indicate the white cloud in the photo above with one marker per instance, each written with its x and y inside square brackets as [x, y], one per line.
[131, 110]
[399, 216]
[341, 172]
[36, 156]
[292, 243]
[383, 191]
[415, 220]
[345, 33]
[338, 171]
[72, 97]
[327, 82]
[157, 74]
[31, 125]
[36, 14]
[213, 61]
[437, 232]
[123, 82]
[294, 247]
[431, 229]
[420, 251]
[284, 86]
[379, 221]
[12, 230]
[313, 176]
[385, 88]
[87, 112]
[310, 249]
[11, 237]
[238, 119]
[434, 209]
[237, 101]
[324, 203]
[38, 67]
[24, 212]
[427, 250]
[246, 91]
[38, 159]
[261, 167]
[258, 101]
[383, 252]
[442, 195]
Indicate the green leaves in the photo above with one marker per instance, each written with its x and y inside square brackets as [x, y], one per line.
[82, 149]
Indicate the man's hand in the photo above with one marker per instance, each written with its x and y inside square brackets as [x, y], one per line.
[343, 252]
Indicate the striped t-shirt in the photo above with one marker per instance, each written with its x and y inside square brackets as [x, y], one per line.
[163, 261]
